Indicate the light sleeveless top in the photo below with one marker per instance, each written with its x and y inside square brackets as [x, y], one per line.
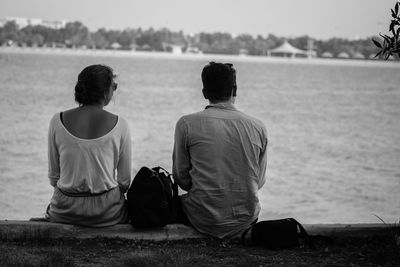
[90, 166]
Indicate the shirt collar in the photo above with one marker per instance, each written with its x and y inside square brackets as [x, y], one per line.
[223, 105]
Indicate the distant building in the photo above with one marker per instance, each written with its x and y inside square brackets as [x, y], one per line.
[176, 49]
[133, 47]
[287, 49]
[23, 22]
[144, 47]
[116, 46]
[243, 52]
[327, 55]
[343, 55]
[54, 24]
[193, 50]
[173, 48]
[358, 55]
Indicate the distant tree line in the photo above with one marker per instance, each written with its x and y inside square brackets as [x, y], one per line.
[76, 34]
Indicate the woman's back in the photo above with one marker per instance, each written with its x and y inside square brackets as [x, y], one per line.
[91, 163]
[88, 122]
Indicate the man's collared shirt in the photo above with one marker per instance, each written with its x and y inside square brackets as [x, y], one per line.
[220, 159]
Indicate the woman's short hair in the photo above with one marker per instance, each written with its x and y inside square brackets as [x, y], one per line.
[219, 81]
[93, 84]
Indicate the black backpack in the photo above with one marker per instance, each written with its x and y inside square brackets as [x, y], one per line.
[152, 198]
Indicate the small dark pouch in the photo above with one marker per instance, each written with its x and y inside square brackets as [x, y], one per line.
[279, 234]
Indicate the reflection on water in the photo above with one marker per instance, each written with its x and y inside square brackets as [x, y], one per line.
[334, 130]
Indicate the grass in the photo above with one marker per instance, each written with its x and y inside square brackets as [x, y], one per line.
[348, 251]
[32, 256]
[393, 230]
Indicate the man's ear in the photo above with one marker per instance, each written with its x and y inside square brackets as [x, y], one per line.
[205, 94]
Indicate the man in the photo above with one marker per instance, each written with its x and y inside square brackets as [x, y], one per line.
[220, 159]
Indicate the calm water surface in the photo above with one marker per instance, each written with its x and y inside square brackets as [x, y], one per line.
[334, 129]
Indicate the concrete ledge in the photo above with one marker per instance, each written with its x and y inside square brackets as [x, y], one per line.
[27, 230]
[344, 230]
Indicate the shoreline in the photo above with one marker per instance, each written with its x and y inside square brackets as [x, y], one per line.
[204, 57]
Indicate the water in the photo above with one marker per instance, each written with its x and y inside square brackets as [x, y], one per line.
[334, 129]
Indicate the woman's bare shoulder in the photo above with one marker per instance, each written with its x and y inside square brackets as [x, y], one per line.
[70, 111]
[110, 115]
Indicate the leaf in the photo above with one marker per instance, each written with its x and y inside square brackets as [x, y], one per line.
[387, 38]
[387, 56]
[384, 45]
[393, 14]
[380, 219]
[378, 54]
[391, 26]
[396, 8]
[377, 43]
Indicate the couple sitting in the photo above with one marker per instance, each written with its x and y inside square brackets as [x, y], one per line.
[219, 157]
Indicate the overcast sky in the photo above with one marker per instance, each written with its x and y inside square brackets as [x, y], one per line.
[289, 18]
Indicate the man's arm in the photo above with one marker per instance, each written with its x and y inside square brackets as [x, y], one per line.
[180, 157]
[263, 164]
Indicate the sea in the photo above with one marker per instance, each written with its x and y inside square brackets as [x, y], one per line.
[333, 126]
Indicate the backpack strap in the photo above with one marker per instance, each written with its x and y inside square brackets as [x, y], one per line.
[156, 171]
[174, 186]
[171, 210]
[158, 168]
[169, 175]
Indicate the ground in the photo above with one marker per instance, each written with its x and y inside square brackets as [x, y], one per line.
[377, 250]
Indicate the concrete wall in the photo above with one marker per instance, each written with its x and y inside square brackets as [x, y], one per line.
[27, 230]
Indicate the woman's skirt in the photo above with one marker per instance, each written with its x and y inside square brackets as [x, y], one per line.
[97, 210]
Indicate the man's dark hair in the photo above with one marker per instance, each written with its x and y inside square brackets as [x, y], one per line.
[93, 84]
[219, 81]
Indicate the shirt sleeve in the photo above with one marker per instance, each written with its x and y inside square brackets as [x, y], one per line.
[181, 157]
[124, 162]
[53, 156]
[263, 163]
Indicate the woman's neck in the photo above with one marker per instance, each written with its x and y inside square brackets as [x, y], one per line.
[96, 106]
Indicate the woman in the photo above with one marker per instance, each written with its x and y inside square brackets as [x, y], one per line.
[89, 156]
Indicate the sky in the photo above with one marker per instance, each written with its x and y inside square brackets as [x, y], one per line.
[320, 19]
